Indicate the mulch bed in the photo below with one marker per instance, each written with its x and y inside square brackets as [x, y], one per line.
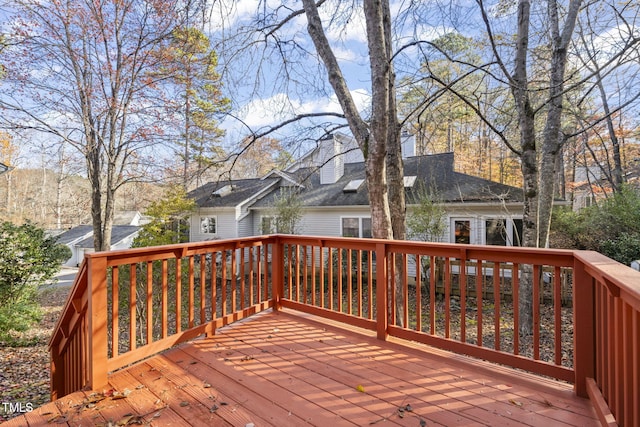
[24, 369]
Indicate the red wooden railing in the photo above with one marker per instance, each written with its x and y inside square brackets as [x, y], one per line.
[128, 305]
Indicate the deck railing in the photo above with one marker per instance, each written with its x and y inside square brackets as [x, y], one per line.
[128, 305]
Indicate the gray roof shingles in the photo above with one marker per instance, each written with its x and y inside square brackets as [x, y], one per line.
[435, 173]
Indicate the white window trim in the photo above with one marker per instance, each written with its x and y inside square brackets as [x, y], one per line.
[215, 218]
[359, 218]
[509, 228]
[472, 228]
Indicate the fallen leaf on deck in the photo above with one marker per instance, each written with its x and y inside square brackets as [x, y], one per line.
[360, 388]
[515, 402]
[130, 419]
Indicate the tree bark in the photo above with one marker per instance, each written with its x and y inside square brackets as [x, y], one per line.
[552, 135]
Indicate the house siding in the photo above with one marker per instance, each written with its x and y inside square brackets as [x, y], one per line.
[225, 225]
[245, 226]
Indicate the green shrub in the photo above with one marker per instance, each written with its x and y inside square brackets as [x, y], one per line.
[612, 227]
[625, 248]
[28, 259]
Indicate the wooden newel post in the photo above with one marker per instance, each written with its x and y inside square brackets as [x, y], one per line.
[584, 327]
[277, 274]
[97, 323]
[382, 283]
[56, 374]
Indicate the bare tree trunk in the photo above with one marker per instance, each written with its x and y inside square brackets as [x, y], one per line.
[552, 136]
[617, 177]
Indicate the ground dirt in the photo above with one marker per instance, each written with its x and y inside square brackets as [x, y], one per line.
[24, 369]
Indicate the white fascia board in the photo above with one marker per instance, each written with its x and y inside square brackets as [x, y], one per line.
[263, 192]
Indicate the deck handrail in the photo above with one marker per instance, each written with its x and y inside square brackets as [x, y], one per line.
[127, 305]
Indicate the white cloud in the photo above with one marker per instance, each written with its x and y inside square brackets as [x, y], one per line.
[273, 110]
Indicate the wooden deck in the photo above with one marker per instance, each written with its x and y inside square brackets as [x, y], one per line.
[290, 369]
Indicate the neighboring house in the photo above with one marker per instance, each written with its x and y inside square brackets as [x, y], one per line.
[80, 240]
[130, 218]
[330, 183]
[4, 168]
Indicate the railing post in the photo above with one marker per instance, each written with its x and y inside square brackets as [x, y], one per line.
[583, 327]
[277, 274]
[56, 375]
[97, 318]
[382, 292]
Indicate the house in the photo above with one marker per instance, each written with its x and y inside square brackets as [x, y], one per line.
[330, 184]
[4, 168]
[80, 239]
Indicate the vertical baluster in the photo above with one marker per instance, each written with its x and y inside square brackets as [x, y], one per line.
[330, 278]
[321, 265]
[496, 304]
[191, 293]
[297, 272]
[462, 285]
[349, 282]
[234, 282]
[557, 311]
[149, 302]
[289, 251]
[370, 282]
[242, 281]
[259, 296]
[359, 269]
[251, 272]
[305, 273]
[479, 301]
[223, 266]
[405, 290]
[447, 297]
[340, 273]
[515, 292]
[391, 277]
[214, 287]
[178, 295]
[432, 296]
[265, 264]
[536, 312]
[418, 293]
[165, 299]
[203, 285]
[313, 275]
[115, 311]
[132, 306]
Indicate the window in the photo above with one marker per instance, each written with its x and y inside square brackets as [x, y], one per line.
[353, 186]
[503, 232]
[462, 231]
[356, 227]
[409, 181]
[496, 232]
[208, 225]
[516, 235]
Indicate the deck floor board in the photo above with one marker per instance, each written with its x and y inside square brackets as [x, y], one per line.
[288, 369]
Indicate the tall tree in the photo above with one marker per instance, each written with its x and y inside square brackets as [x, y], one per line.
[189, 65]
[81, 70]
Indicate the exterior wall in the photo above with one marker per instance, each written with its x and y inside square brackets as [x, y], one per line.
[245, 226]
[226, 225]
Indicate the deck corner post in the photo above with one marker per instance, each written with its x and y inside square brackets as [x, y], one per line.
[277, 274]
[584, 327]
[56, 375]
[96, 359]
[382, 283]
